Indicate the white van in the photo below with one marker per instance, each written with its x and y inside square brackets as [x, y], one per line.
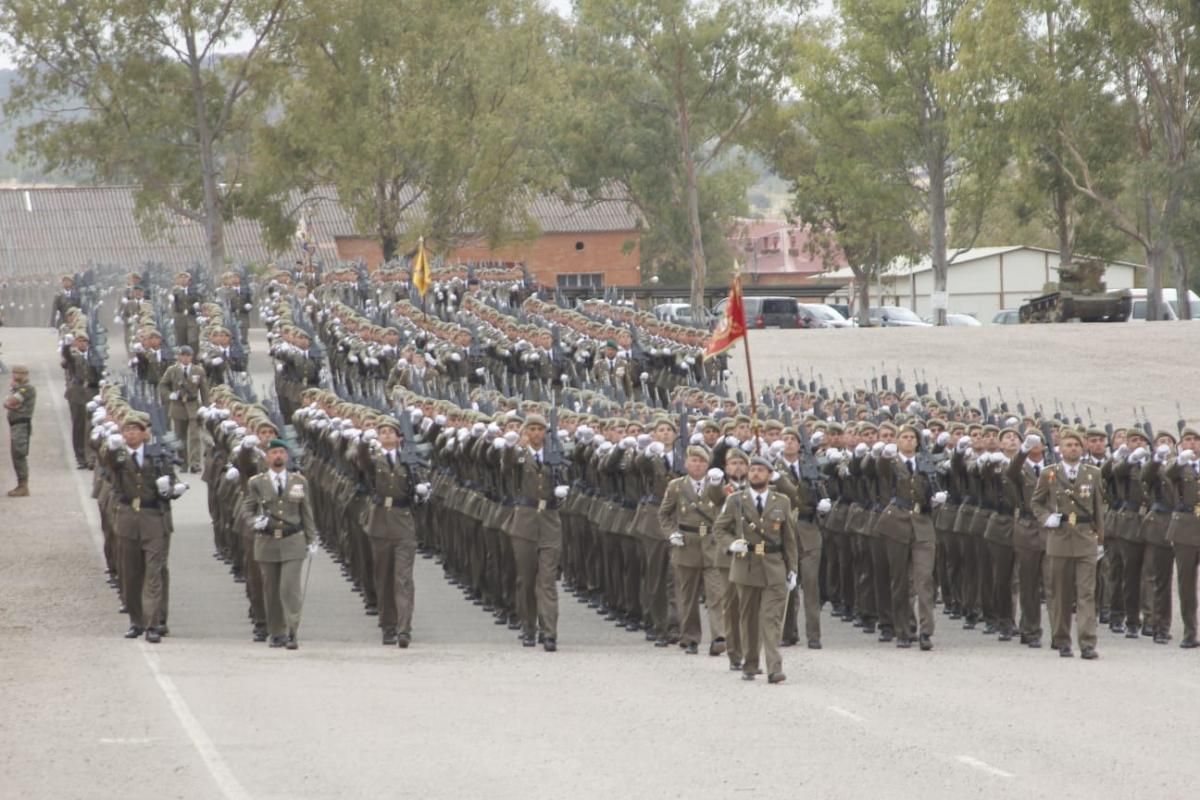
[1138, 311]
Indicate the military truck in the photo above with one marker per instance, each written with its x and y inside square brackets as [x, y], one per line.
[1079, 294]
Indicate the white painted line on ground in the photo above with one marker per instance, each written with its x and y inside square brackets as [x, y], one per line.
[983, 766]
[850, 715]
[122, 740]
[222, 775]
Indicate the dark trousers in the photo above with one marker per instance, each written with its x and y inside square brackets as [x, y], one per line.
[881, 579]
[1187, 559]
[1031, 577]
[1002, 557]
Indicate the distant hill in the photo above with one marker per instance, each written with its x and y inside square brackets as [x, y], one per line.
[10, 170]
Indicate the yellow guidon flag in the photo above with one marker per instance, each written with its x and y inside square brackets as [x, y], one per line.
[422, 276]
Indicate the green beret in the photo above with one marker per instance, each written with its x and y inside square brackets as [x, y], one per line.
[274, 443]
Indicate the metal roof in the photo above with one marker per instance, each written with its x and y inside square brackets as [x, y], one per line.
[50, 230]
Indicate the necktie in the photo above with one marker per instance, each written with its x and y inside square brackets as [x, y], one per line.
[279, 486]
[538, 458]
[670, 461]
[698, 486]
[796, 472]
[391, 459]
[911, 467]
[137, 460]
[759, 503]
[1037, 471]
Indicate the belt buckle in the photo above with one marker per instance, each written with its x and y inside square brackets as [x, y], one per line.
[541, 506]
[136, 505]
[704, 528]
[1072, 519]
[278, 533]
[760, 549]
[387, 502]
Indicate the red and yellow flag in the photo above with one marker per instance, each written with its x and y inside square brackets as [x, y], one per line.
[733, 323]
[422, 276]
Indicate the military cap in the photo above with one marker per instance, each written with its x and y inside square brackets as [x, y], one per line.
[836, 428]
[1013, 431]
[666, 421]
[185, 350]
[1095, 430]
[265, 422]
[790, 432]
[773, 425]
[1135, 431]
[735, 453]
[183, 273]
[151, 334]
[82, 335]
[708, 425]
[1164, 432]
[1070, 433]
[741, 419]
[989, 428]
[137, 418]
[699, 451]
[759, 461]
[276, 443]
[866, 427]
[535, 419]
[909, 428]
[20, 369]
[385, 421]
[1183, 434]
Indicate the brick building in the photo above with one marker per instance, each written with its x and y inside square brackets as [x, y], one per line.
[774, 252]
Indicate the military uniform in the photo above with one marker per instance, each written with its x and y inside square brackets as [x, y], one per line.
[19, 404]
[1184, 533]
[689, 508]
[281, 504]
[182, 390]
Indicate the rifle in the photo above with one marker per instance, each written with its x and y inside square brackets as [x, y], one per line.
[1048, 442]
[681, 441]
[1180, 423]
[1146, 426]
[409, 456]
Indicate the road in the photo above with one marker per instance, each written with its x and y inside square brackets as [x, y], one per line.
[467, 712]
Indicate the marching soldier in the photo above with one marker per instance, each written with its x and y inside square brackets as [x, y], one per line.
[1067, 501]
[758, 528]
[280, 505]
[19, 404]
[1184, 532]
[185, 301]
[804, 499]
[1028, 536]
[183, 389]
[83, 381]
[64, 301]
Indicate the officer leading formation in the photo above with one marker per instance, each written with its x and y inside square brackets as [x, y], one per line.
[520, 443]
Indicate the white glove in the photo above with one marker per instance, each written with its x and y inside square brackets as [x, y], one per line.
[739, 546]
[423, 489]
[791, 581]
[939, 498]
[180, 489]
[861, 449]
[731, 441]
[715, 476]
[138, 347]
[232, 474]
[824, 506]
[499, 443]
[817, 438]
[644, 440]
[371, 435]
[98, 416]
[675, 539]
[561, 491]
[605, 447]
[1099, 552]
[312, 549]
[163, 484]
[247, 307]
[1186, 457]
[1031, 441]
[455, 357]
[217, 361]
[964, 444]
[261, 522]
[696, 438]
[656, 448]
[877, 449]
[350, 433]
[426, 424]
[628, 443]
[1121, 452]
[1161, 452]
[250, 441]
[834, 454]
[1054, 520]
[511, 437]
[91, 406]
[116, 441]
[645, 376]
[889, 451]
[943, 438]
[173, 396]
[440, 419]
[480, 371]
[1139, 455]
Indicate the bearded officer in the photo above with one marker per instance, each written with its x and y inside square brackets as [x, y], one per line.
[760, 531]
[1067, 502]
[281, 507]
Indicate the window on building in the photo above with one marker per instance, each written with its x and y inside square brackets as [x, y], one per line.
[581, 280]
[579, 246]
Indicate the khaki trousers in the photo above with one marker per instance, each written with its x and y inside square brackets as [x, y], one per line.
[188, 431]
[688, 582]
[1030, 576]
[762, 609]
[917, 557]
[537, 595]
[393, 560]
[143, 554]
[715, 589]
[731, 612]
[1074, 584]
[1187, 559]
[282, 592]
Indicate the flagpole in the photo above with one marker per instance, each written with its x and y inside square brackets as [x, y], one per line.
[753, 394]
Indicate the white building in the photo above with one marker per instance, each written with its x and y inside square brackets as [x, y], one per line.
[979, 281]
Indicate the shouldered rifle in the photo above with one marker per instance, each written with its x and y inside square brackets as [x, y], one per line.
[409, 456]
[1180, 423]
[1048, 442]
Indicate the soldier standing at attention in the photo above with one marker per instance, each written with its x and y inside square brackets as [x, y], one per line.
[64, 301]
[391, 527]
[183, 389]
[1184, 532]
[758, 525]
[1067, 502]
[281, 507]
[535, 531]
[83, 381]
[19, 404]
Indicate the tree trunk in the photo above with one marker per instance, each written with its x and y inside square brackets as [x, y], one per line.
[699, 266]
[1066, 233]
[1155, 261]
[214, 225]
[937, 226]
[1183, 303]
[863, 284]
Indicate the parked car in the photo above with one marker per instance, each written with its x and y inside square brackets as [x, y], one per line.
[770, 312]
[1007, 316]
[680, 313]
[895, 317]
[1170, 311]
[829, 316]
[958, 321]
[842, 309]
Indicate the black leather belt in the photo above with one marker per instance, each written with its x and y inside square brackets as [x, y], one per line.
[651, 500]
[144, 506]
[692, 528]
[283, 532]
[12, 423]
[397, 502]
[769, 547]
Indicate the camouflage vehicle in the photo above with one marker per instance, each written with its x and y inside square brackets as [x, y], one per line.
[1079, 295]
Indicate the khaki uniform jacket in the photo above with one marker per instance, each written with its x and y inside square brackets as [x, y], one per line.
[137, 487]
[774, 528]
[393, 493]
[1028, 533]
[804, 505]
[906, 518]
[21, 399]
[192, 386]
[535, 509]
[693, 515]
[291, 512]
[1185, 521]
[618, 375]
[1055, 493]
